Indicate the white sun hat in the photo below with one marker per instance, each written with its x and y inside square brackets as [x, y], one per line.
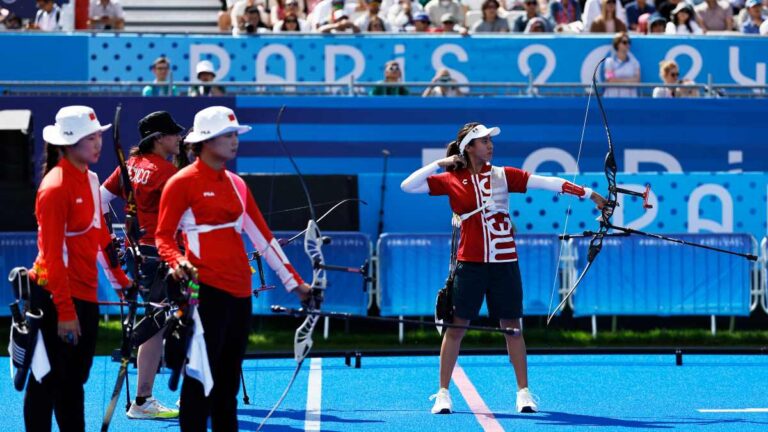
[73, 123]
[204, 66]
[212, 122]
[478, 131]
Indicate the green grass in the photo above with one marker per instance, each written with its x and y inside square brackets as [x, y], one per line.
[281, 338]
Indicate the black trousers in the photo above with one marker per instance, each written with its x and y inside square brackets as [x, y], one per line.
[61, 391]
[227, 322]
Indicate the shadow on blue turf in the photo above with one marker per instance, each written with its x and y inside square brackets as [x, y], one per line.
[551, 418]
[297, 415]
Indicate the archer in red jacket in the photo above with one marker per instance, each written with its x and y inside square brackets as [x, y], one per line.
[212, 207]
[72, 236]
[149, 170]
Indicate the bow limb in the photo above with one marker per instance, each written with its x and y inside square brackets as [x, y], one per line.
[313, 243]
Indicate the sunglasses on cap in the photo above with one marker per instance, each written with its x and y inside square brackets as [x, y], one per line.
[625, 42]
[393, 67]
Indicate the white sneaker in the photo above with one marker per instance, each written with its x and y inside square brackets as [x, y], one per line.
[152, 409]
[443, 404]
[526, 401]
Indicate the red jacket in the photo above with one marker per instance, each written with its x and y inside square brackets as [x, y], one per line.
[71, 234]
[148, 173]
[212, 209]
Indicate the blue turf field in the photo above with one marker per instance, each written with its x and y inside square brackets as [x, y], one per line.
[610, 392]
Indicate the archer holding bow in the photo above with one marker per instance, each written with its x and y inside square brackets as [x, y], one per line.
[149, 169]
[213, 207]
[72, 236]
[487, 264]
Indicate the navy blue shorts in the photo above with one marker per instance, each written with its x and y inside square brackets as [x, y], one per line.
[499, 283]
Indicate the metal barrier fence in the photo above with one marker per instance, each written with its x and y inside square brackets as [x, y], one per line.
[356, 88]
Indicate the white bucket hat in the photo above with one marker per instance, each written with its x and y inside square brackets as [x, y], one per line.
[478, 131]
[73, 123]
[212, 122]
[204, 66]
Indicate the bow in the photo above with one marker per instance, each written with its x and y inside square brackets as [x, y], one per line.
[132, 235]
[596, 243]
[313, 242]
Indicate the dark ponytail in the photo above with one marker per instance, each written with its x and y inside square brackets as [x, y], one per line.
[182, 159]
[453, 146]
[51, 157]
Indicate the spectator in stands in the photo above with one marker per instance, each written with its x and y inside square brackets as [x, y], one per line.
[341, 24]
[536, 25]
[421, 23]
[656, 24]
[9, 20]
[161, 67]
[437, 8]
[531, 11]
[278, 9]
[239, 13]
[607, 21]
[252, 24]
[621, 67]
[635, 9]
[392, 74]
[401, 14]
[322, 14]
[373, 14]
[443, 85]
[594, 8]
[47, 17]
[291, 23]
[206, 74]
[106, 15]
[491, 22]
[751, 24]
[665, 8]
[376, 25]
[683, 21]
[669, 74]
[564, 11]
[224, 18]
[450, 25]
[714, 15]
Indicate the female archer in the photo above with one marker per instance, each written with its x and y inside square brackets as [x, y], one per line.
[72, 236]
[149, 170]
[487, 259]
[213, 207]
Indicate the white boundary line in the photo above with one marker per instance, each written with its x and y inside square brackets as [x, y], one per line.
[476, 404]
[314, 395]
[735, 410]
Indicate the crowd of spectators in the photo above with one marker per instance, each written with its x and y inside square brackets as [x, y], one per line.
[496, 16]
[253, 17]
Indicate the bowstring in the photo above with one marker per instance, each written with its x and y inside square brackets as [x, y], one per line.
[570, 203]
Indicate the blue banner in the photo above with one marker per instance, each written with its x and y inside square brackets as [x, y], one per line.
[266, 58]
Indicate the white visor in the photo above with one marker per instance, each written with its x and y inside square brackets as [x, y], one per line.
[478, 131]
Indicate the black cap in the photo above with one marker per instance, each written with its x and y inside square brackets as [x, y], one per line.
[158, 123]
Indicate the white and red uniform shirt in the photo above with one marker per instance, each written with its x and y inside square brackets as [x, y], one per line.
[212, 208]
[486, 235]
[71, 237]
[148, 174]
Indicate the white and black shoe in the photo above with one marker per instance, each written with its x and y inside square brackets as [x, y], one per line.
[526, 401]
[443, 403]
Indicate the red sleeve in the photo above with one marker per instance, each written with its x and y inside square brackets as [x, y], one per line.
[262, 238]
[112, 183]
[52, 211]
[517, 179]
[173, 204]
[438, 183]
